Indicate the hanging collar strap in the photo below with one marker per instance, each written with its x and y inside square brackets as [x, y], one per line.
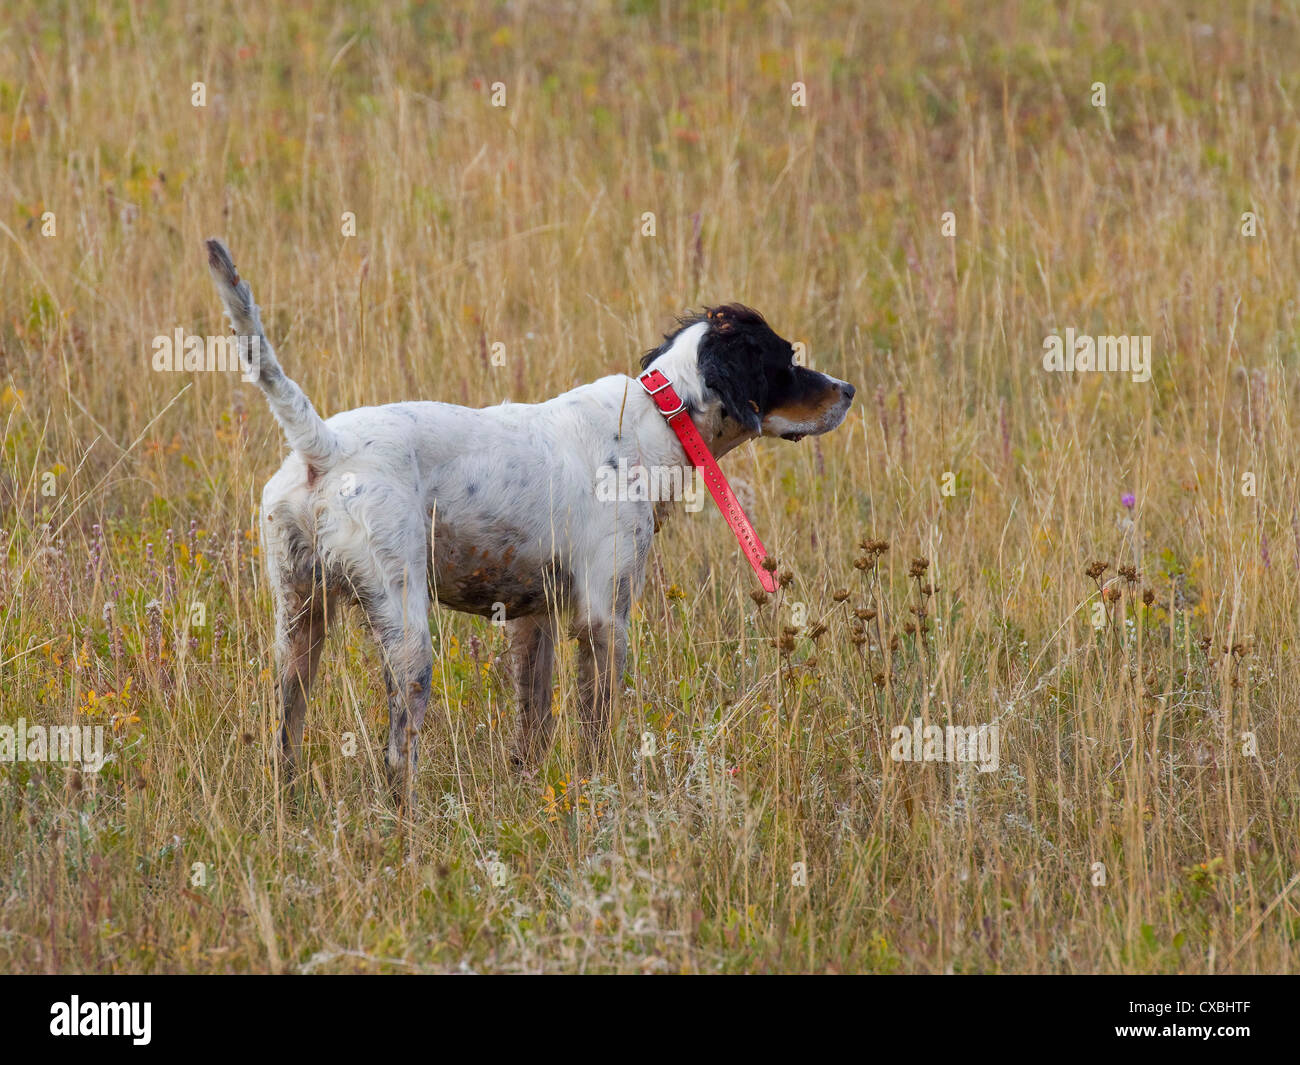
[661, 392]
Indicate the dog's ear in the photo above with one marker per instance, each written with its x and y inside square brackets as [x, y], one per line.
[731, 365]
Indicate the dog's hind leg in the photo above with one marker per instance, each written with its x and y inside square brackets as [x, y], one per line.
[300, 635]
[532, 646]
[400, 619]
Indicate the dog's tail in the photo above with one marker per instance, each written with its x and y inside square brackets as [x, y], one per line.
[305, 430]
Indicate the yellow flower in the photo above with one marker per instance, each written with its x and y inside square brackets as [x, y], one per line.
[91, 703]
[120, 721]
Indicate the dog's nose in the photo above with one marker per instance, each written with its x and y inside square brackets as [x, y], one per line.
[848, 390]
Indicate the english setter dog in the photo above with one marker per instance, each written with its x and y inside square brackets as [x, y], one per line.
[494, 512]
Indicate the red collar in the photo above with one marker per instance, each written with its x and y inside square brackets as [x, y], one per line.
[660, 390]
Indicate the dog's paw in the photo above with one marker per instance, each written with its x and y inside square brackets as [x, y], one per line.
[523, 766]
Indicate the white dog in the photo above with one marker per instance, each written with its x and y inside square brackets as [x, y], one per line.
[494, 511]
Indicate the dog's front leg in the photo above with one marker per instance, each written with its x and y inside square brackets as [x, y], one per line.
[602, 651]
[600, 625]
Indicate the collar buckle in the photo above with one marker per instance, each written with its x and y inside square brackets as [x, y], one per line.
[669, 415]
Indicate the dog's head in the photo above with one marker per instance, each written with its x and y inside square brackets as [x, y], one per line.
[745, 370]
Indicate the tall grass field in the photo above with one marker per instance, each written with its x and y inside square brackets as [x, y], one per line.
[1096, 572]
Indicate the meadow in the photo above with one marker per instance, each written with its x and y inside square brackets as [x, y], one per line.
[473, 203]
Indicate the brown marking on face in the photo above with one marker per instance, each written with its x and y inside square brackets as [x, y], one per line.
[807, 409]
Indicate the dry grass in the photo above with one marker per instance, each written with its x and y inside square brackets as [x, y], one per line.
[522, 225]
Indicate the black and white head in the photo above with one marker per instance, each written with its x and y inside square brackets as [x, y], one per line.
[738, 377]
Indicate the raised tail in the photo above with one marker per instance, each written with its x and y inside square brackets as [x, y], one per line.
[305, 430]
